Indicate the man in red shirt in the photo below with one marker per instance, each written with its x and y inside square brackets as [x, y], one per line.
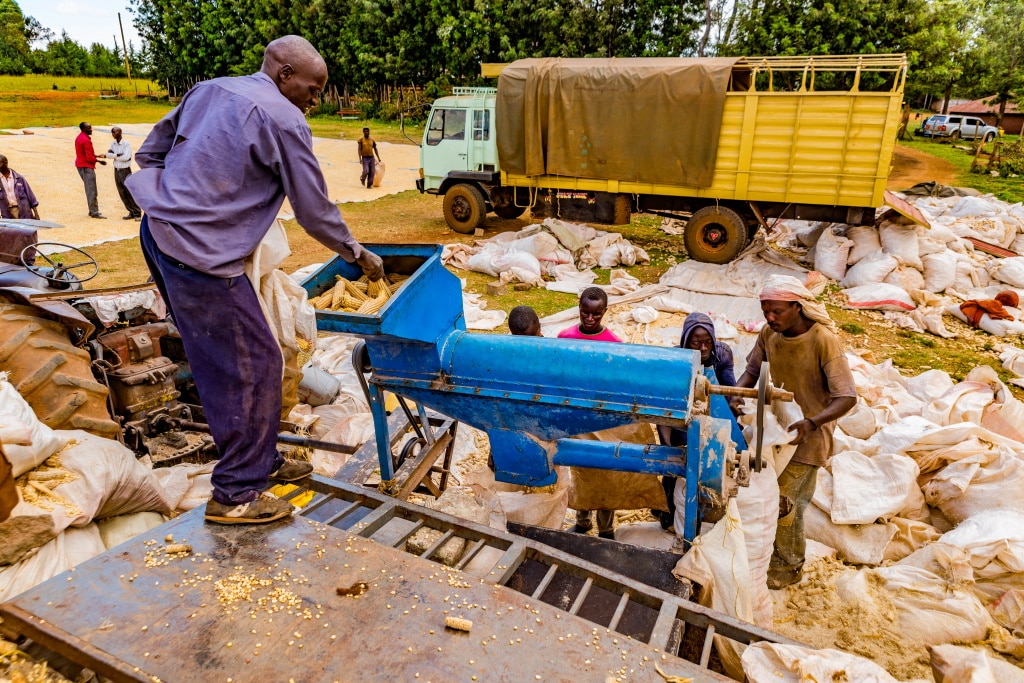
[85, 162]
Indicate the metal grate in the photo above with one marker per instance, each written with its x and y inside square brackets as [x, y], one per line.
[564, 581]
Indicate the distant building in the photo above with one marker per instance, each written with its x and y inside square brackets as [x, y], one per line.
[1013, 117]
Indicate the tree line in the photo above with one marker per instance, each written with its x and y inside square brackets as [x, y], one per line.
[964, 48]
[19, 34]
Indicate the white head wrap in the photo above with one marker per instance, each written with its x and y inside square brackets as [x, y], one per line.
[788, 288]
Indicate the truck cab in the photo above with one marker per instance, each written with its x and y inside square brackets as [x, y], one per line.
[459, 159]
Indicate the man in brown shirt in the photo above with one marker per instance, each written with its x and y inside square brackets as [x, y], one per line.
[367, 148]
[808, 359]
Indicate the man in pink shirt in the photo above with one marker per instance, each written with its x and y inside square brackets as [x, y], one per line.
[85, 162]
[593, 304]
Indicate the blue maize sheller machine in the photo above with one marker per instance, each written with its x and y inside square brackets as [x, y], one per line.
[532, 395]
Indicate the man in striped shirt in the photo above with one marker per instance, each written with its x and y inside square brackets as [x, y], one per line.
[121, 152]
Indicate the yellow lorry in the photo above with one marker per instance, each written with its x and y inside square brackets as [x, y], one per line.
[729, 141]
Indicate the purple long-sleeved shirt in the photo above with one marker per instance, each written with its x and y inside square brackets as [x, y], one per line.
[215, 172]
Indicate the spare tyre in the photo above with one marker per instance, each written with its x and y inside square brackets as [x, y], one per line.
[715, 234]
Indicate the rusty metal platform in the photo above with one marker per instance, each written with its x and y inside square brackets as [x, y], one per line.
[188, 619]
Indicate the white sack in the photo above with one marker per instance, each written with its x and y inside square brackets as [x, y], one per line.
[879, 297]
[1008, 270]
[645, 535]
[69, 549]
[856, 544]
[969, 207]
[939, 270]
[928, 384]
[718, 563]
[987, 549]
[957, 664]
[906, 278]
[941, 445]
[980, 483]
[964, 402]
[867, 489]
[997, 328]
[871, 269]
[865, 242]
[830, 254]
[477, 318]
[901, 242]
[808, 234]
[285, 306]
[117, 530]
[758, 507]
[859, 423]
[930, 610]
[765, 662]
[895, 437]
[111, 482]
[18, 425]
[910, 537]
[544, 506]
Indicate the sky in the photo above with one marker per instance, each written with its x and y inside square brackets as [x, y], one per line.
[86, 21]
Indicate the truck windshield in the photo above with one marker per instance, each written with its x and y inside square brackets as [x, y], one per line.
[446, 124]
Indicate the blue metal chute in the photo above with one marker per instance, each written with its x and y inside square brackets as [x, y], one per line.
[530, 395]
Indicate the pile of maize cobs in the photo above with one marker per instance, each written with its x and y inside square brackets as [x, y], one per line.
[358, 296]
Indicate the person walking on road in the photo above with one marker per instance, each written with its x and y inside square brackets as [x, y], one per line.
[85, 162]
[367, 150]
[121, 152]
[16, 197]
[214, 173]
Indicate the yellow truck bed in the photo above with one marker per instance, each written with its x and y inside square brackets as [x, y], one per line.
[825, 147]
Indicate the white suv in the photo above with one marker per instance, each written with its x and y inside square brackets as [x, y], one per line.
[956, 127]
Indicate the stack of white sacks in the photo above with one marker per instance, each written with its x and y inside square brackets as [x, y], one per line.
[79, 495]
[924, 498]
[919, 273]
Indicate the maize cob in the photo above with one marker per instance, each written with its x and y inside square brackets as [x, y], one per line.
[371, 306]
[458, 624]
[337, 294]
[322, 301]
[351, 288]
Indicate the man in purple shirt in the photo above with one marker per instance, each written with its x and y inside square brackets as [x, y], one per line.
[215, 172]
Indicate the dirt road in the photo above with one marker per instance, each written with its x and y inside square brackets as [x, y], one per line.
[47, 160]
[910, 166]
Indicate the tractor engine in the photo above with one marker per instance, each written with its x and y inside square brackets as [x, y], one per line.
[144, 392]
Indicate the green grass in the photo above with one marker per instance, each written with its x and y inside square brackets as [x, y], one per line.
[350, 129]
[22, 112]
[1007, 189]
[44, 82]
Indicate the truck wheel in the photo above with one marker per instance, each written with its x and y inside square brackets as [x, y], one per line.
[990, 137]
[53, 376]
[503, 203]
[509, 211]
[464, 208]
[715, 234]
[955, 135]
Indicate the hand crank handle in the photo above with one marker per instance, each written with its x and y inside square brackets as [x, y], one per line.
[743, 392]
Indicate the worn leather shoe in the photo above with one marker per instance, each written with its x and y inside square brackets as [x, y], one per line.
[292, 470]
[97, 215]
[267, 508]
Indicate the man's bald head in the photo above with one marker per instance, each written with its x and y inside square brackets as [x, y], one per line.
[297, 69]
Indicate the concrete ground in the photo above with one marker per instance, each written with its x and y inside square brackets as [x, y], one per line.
[47, 159]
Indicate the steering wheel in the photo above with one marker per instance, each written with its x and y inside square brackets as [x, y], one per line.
[60, 271]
